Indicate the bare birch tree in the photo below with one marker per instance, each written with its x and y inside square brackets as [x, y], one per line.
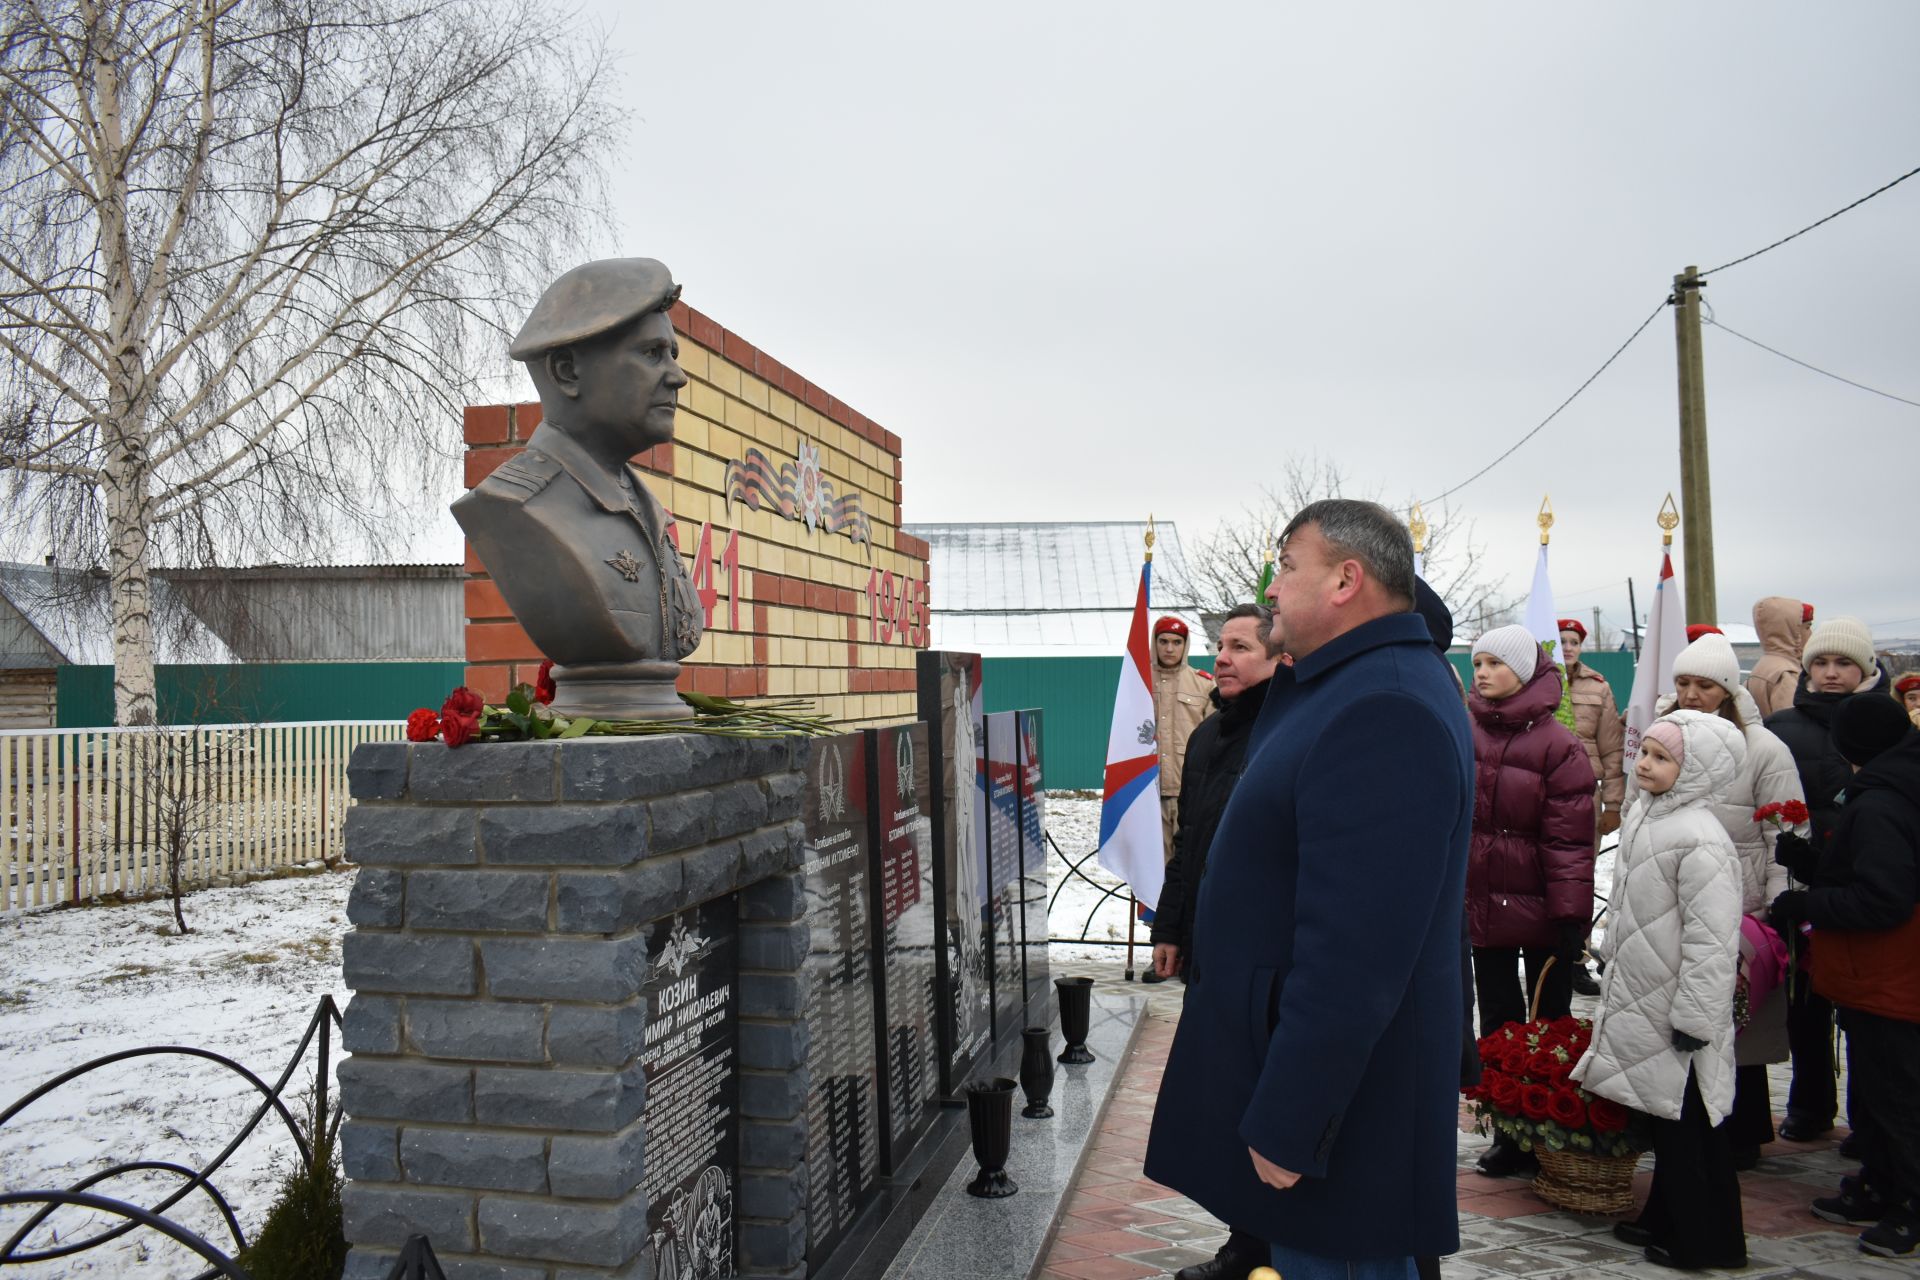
[1222, 569]
[254, 255]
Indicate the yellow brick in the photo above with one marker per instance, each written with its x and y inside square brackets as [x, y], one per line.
[819, 653]
[780, 681]
[833, 681]
[806, 680]
[689, 432]
[707, 401]
[693, 360]
[782, 406]
[773, 558]
[707, 472]
[723, 444]
[684, 396]
[754, 392]
[724, 374]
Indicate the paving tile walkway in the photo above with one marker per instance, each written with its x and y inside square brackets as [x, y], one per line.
[1117, 1225]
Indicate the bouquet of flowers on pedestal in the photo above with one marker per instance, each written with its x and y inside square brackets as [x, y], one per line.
[1587, 1145]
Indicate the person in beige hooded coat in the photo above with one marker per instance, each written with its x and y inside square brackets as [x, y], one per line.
[1663, 1031]
[1783, 625]
[1707, 676]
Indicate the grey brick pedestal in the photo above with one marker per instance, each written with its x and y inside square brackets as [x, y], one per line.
[494, 1095]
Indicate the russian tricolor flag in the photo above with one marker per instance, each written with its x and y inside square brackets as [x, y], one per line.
[1130, 842]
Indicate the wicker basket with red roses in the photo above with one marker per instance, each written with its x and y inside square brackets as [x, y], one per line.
[1587, 1145]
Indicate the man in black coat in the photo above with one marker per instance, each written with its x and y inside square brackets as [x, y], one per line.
[1248, 653]
[1311, 1097]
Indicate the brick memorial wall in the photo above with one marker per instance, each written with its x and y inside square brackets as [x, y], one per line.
[831, 610]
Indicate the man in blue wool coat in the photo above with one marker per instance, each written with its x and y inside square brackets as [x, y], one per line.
[1311, 1097]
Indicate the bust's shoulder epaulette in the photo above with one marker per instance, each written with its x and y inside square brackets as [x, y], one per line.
[523, 475]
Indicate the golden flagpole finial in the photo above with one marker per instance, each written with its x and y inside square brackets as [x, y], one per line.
[1149, 537]
[1545, 519]
[1417, 526]
[1669, 521]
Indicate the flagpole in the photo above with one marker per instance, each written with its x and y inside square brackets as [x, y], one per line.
[1133, 903]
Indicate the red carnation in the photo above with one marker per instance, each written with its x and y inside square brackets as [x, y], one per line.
[1504, 1092]
[1566, 1110]
[463, 702]
[1606, 1115]
[543, 686]
[457, 730]
[423, 726]
[1766, 811]
[1533, 1101]
[1794, 811]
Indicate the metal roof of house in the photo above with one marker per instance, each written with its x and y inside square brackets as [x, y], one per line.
[56, 617]
[1047, 587]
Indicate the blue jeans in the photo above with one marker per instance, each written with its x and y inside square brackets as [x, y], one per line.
[1295, 1265]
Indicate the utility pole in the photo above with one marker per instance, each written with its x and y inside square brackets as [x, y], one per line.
[1696, 488]
[1596, 626]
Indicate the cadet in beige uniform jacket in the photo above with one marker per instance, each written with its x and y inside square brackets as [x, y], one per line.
[1597, 723]
[1180, 703]
[1783, 625]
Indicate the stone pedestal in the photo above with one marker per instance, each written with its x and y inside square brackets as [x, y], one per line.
[495, 1097]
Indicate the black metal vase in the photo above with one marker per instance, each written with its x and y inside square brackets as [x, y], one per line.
[1076, 1010]
[1036, 1073]
[990, 1113]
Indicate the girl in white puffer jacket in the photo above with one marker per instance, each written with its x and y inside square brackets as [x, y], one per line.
[1663, 1032]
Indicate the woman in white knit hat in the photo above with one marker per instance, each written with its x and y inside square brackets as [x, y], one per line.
[1706, 677]
[1838, 662]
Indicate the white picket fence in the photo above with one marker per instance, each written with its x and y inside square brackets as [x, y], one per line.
[92, 813]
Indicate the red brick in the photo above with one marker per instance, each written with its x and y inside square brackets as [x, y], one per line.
[527, 417]
[705, 331]
[741, 682]
[815, 398]
[853, 626]
[898, 470]
[890, 442]
[845, 601]
[838, 411]
[526, 672]
[760, 682]
[763, 586]
[474, 566]
[485, 601]
[853, 660]
[684, 682]
[793, 384]
[500, 642]
[820, 596]
[737, 349]
[490, 682]
[485, 423]
[759, 649]
[859, 681]
[711, 680]
[680, 315]
[793, 592]
[760, 622]
[480, 463]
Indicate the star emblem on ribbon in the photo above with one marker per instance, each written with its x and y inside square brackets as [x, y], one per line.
[628, 567]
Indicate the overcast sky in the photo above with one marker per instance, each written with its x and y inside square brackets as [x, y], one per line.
[1091, 260]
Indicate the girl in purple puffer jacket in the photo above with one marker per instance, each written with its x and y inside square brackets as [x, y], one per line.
[1530, 868]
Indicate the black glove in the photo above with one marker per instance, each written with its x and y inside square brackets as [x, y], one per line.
[1573, 942]
[1788, 911]
[1797, 855]
[1686, 1043]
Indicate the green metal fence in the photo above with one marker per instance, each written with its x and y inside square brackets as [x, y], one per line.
[262, 693]
[1077, 696]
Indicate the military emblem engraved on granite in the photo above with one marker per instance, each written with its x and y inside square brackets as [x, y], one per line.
[950, 703]
[904, 907]
[582, 553]
[1000, 777]
[843, 1105]
[1033, 857]
[693, 1087]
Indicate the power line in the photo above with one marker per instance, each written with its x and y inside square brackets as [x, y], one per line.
[1814, 367]
[1811, 225]
[1591, 378]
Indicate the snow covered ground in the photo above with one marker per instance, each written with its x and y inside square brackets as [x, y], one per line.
[78, 984]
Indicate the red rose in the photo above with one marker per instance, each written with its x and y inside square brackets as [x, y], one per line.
[1561, 1073]
[423, 726]
[1566, 1110]
[1503, 1091]
[1542, 1065]
[543, 686]
[1606, 1115]
[1533, 1101]
[1514, 1061]
[1491, 1049]
[1794, 811]
[463, 702]
[457, 730]
[1567, 1027]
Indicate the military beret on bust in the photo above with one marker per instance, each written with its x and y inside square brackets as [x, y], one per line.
[1172, 624]
[593, 299]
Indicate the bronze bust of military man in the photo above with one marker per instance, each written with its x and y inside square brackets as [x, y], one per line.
[576, 544]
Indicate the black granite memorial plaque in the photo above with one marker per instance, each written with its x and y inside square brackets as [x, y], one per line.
[950, 703]
[903, 911]
[1034, 887]
[1003, 874]
[843, 1105]
[693, 1090]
